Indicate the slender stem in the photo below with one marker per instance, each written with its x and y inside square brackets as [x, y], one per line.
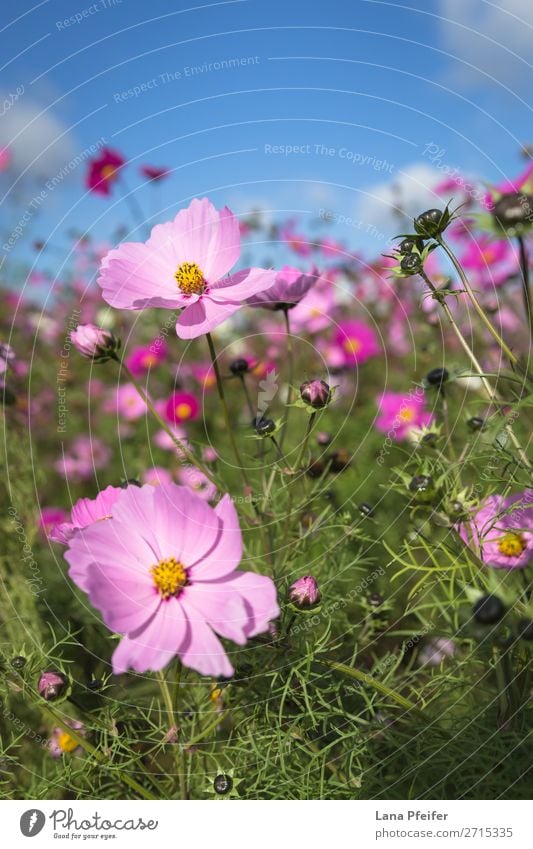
[229, 424]
[177, 442]
[524, 267]
[247, 396]
[491, 393]
[290, 365]
[475, 303]
[165, 692]
[133, 204]
[303, 449]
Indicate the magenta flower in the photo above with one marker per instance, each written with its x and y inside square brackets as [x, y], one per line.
[50, 518]
[490, 261]
[357, 342]
[146, 357]
[182, 407]
[163, 573]
[104, 171]
[400, 414]
[502, 530]
[182, 266]
[85, 512]
[154, 174]
[290, 286]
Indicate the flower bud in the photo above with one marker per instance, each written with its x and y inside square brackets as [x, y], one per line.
[339, 460]
[239, 366]
[304, 592]
[514, 209]
[264, 427]
[94, 343]
[430, 223]
[475, 423]
[223, 784]
[437, 376]
[316, 393]
[407, 246]
[51, 685]
[18, 662]
[423, 487]
[324, 438]
[488, 610]
[366, 509]
[411, 264]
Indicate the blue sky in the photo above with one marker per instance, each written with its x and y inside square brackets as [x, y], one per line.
[359, 89]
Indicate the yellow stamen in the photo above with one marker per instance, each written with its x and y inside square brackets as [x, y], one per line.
[149, 360]
[352, 346]
[183, 411]
[406, 415]
[169, 576]
[511, 544]
[66, 743]
[108, 172]
[190, 278]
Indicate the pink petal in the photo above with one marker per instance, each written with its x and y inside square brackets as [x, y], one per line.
[242, 285]
[153, 646]
[187, 527]
[203, 235]
[226, 553]
[204, 652]
[126, 600]
[134, 276]
[218, 605]
[202, 316]
[107, 542]
[259, 594]
[224, 247]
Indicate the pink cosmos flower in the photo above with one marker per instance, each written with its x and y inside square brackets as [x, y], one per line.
[127, 402]
[156, 476]
[153, 173]
[399, 414]
[357, 342]
[85, 512]
[51, 518]
[181, 407]
[5, 158]
[491, 261]
[86, 454]
[61, 743]
[195, 479]
[297, 242]
[163, 440]
[290, 286]
[182, 266]
[104, 171]
[163, 572]
[502, 530]
[314, 312]
[146, 357]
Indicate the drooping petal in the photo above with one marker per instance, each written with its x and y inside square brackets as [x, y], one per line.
[259, 594]
[203, 316]
[220, 606]
[153, 646]
[205, 653]
[226, 553]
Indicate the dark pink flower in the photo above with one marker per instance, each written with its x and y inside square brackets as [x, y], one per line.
[104, 171]
[182, 407]
[153, 173]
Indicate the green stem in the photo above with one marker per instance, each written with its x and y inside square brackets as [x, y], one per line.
[247, 396]
[369, 681]
[290, 377]
[161, 422]
[207, 730]
[475, 303]
[227, 418]
[303, 449]
[526, 289]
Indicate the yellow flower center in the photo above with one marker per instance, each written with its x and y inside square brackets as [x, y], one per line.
[406, 415]
[511, 544]
[190, 278]
[352, 346]
[108, 172]
[183, 410]
[66, 743]
[149, 360]
[170, 576]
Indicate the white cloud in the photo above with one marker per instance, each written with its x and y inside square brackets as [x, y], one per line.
[494, 39]
[390, 206]
[40, 143]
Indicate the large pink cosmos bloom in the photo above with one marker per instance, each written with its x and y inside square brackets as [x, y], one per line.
[85, 512]
[163, 573]
[182, 266]
[502, 530]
